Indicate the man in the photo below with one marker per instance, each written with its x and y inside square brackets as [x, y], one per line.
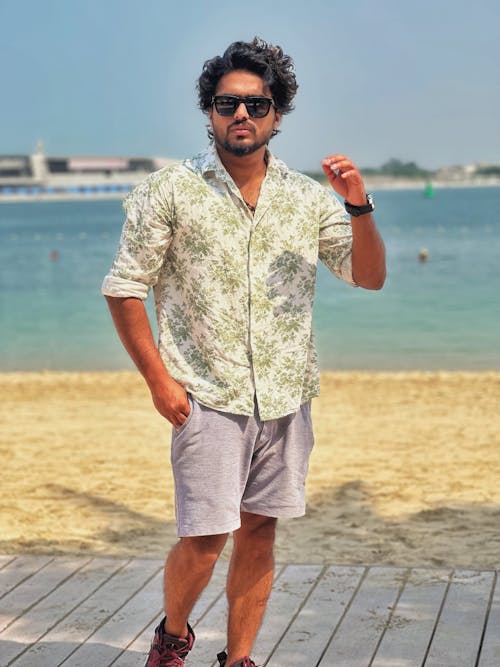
[229, 240]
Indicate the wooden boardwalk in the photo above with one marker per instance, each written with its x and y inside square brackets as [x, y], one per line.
[98, 612]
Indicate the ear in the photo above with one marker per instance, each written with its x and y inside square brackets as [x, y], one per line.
[277, 120]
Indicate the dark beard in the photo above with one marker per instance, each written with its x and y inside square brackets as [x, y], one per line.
[236, 148]
[239, 151]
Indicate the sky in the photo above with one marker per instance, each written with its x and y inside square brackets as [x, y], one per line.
[378, 79]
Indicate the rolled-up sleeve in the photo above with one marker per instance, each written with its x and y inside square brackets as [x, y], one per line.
[145, 238]
[335, 239]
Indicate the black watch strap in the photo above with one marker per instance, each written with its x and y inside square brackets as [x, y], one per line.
[356, 211]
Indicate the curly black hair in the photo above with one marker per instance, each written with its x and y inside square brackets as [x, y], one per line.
[265, 60]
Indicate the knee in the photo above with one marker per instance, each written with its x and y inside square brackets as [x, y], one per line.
[203, 550]
[257, 534]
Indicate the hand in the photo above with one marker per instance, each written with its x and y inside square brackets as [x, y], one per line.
[171, 401]
[345, 179]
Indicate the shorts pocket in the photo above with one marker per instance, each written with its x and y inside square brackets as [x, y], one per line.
[188, 418]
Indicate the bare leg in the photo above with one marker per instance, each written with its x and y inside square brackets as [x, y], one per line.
[249, 582]
[188, 570]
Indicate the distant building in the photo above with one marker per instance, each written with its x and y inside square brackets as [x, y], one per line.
[39, 176]
[475, 173]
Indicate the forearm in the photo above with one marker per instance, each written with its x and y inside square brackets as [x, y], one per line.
[368, 253]
[132, 324]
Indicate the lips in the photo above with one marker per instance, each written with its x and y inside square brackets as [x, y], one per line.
[241, 130]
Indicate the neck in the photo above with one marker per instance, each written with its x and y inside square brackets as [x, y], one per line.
[244, 168]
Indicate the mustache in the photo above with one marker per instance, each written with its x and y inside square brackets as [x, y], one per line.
[243, 124]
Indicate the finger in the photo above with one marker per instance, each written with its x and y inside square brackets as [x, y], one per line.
[339, 168]
[342, 165]
[184, 414]
[347, 174]
[185, 410]
[331, 171]
[329, 161]
[327, 168]
[178, 420]
[336, 157]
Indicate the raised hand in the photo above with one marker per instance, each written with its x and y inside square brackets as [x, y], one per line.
[345, 178]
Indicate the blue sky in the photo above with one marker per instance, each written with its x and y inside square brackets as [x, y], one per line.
[378, 78]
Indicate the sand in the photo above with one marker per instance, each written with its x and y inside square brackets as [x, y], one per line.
[405, 470]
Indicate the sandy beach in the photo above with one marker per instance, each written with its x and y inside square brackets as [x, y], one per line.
[405, 469]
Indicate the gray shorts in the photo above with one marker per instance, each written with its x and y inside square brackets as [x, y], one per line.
[224, 464]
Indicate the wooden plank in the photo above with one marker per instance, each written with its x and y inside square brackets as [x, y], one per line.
[19, 599]
[312, 629]
[136, 653]
[5, 560]
[409, 632]
[35, 623]
[67, 636]
[211, 631]
[119, 631]
[355, 641]
[290, 590]
[490, 652]
[458, 634]
[210, 634]
[216, 589]
[17, 570]
[78, 612]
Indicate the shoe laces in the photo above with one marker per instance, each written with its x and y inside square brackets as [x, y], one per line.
[171, 656]
[243, 662]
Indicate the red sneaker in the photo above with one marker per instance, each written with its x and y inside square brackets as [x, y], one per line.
[167, 650]
[242, 662]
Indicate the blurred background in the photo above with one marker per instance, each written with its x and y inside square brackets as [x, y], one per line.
[96, 94]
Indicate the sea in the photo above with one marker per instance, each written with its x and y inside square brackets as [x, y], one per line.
[441, 314]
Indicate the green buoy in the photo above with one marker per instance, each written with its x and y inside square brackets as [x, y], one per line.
[428, 190]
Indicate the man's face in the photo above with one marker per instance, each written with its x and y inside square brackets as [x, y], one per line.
[240, 134]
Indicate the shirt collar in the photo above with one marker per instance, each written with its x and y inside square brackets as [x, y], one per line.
[210, 162]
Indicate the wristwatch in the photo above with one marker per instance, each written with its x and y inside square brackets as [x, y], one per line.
[356, 211]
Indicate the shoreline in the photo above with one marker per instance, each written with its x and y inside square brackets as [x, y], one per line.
[404, 469]
[371, 183]
[384, 183]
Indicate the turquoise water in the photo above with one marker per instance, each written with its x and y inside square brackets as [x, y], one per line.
[444, 314]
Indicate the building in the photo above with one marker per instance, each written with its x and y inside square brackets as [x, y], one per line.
[41, 177]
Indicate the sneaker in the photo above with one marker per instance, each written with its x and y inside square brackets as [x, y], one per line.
[242, 662]
[167, 650]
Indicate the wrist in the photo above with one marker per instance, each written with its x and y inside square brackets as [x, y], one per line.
[156, 375]
[357, 208]
[358, 199]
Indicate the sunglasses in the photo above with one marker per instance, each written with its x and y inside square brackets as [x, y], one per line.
[257, 107]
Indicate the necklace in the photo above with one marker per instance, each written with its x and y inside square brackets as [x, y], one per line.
[249, 206]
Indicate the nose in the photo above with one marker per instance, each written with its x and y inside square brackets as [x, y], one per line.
[241, 112]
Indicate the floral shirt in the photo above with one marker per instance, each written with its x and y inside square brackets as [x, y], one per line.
[233, 292]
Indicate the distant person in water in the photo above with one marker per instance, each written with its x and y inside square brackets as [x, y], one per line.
[229, 241]
[423, 255]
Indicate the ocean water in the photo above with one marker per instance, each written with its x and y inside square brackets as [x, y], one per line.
[442, 314]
